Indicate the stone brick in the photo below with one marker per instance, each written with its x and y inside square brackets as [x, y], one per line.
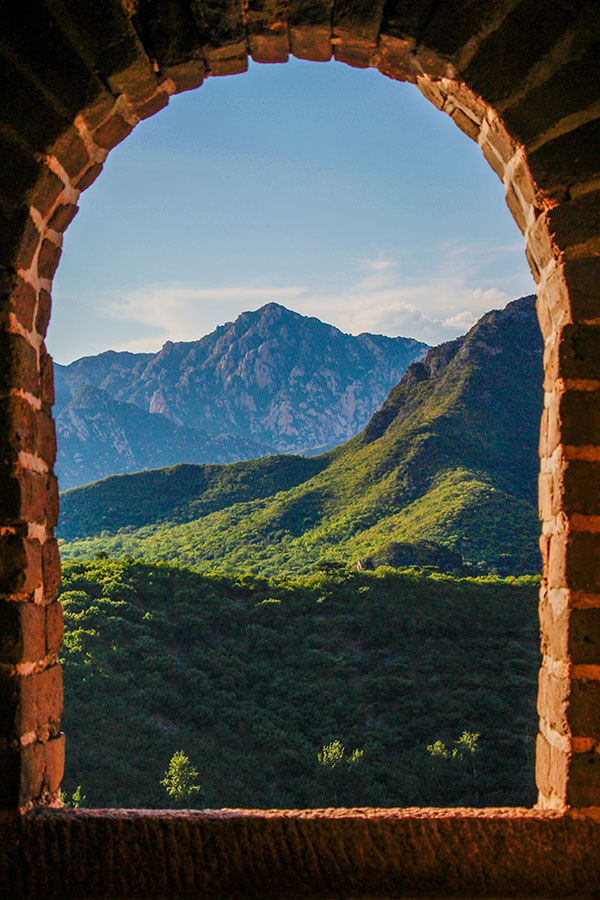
[18, 428]
[579, 487]
[554, 630]
[232, 59]
[582, 277]
[51, 502]
[575, 561]
[47, 190]
[568, 92]
[22, 632]
[394, 59]
[20, 564]
[576, 222]
[578, 353]
[88, 177]
[543, 313]
[62, 216]
[584, 637]
[498, 138]
[30, 772]
[30, 239]
[46, 440]
[152, 106]
[51, 570]
[583, 711]
[583, 787]
[356, 27]
[18, 364]
[48, 259]
[539, 243]
[311, 43]
[71, 152]
[558, 775]
[23, 498]
[546, 496]
[31, 703]
[515, 205]
[19, 171]
[112, 132]
[579, 417]
[493, 160]
[270, 47]
[46, 379]
[466, 124]
[502, 60]
[186, 76]
[21, 303]
[568, 160]
[54, 627]
[542, 766]
[553, 698]
[54, 762]
[42, 317]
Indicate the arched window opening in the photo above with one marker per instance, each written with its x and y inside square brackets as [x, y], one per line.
[383, 218]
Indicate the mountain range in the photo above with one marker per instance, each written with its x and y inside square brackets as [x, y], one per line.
[272, 381]
[448, 461]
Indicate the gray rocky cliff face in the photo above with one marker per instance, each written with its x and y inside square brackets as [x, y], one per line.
[273, 381]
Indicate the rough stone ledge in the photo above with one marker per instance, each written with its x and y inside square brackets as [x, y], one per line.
[349, 853]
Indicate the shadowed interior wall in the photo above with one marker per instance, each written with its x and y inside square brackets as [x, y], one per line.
[518, 77]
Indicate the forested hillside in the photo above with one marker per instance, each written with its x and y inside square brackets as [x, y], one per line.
[451, 458]
[251, 678]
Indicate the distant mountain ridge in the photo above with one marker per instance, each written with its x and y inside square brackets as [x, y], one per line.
[450, 458]
[272, 381]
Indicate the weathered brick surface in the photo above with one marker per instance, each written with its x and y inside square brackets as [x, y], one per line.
[25, 429]
[112, 132]
[574, 561]
[576, 222]
[62, 216]
[22, 632]
[28, 773]
[20, 301]
[88, 177]
[583, 713]
[46, 379]
[20, 564]
[54, 627]
[29, 703]
[51, 570]
[553, 699]
[286, 854]
[583, 787]
[48, 259]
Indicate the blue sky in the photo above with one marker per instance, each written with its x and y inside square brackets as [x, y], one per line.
[334, 191]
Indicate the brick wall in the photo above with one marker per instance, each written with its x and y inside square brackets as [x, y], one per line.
[518, 77]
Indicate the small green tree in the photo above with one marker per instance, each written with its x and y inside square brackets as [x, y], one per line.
[180, 780]
[464, 749]
[77, 798]
[333, 761]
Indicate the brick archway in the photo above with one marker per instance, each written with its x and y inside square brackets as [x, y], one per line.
[521, 80]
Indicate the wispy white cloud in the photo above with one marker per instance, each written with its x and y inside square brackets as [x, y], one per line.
[378, 296]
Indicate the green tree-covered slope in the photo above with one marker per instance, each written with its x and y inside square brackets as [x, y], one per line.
[451, 458]
[250, 678]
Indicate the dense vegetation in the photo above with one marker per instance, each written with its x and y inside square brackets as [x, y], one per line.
[451, 458]
[252, 678]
